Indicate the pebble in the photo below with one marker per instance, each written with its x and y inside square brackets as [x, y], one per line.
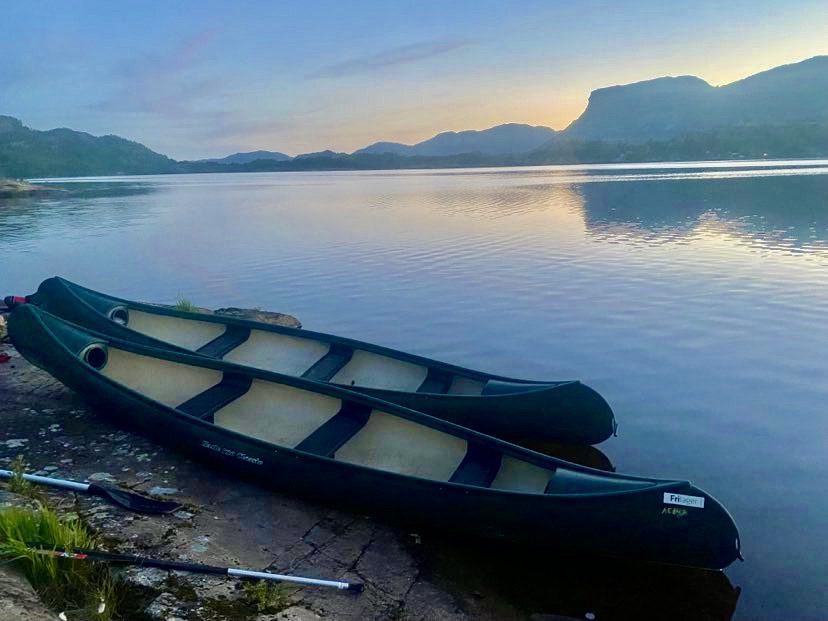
[16, 442]
[163, 491]
[101, 476]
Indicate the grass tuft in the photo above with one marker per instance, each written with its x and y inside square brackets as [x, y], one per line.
[84, 590]
[18, 485]
[267, 596]
[183, 304]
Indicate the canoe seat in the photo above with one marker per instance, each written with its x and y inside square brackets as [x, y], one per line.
[205, 404]
[479, 467]
[436, 382]
[232, 337]
[337, 430]
[330, 364]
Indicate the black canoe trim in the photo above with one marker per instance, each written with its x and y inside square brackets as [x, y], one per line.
[336, 431]
[436, 382]
[205, 404]
[479, 467]
[330, 364]
[232, 337]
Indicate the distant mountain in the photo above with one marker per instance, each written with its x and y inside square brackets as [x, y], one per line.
[780, 113]
[250, 156]
[665, 108]
[317, 154]
[26, 152]
[499, 140]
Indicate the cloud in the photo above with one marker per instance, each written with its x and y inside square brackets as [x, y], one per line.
[170, 84]
[403, 55]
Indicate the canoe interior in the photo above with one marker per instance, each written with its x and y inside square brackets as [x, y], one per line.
[305, 357]
[348, 431]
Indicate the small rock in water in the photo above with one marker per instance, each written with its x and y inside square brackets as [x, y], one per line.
[162, 491]
[16, 442]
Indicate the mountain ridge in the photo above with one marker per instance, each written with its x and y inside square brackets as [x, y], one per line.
[26, 152]
[503, 139]
[246, 157]
[778, 113]
[667, 107]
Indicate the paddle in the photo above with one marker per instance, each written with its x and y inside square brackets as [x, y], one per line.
[128, 500]
[128, 559]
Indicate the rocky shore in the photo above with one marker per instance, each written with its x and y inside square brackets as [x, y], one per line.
[224, 521]
[10, 188]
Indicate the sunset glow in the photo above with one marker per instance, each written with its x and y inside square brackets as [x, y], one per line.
[202, 79]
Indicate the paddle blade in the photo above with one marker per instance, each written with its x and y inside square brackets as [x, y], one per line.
[132, 501]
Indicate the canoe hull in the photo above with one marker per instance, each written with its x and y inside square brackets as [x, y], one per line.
[563, 411]
[631, 525]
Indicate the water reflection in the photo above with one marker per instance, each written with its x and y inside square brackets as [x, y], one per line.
[501, 582]
[773, 212]
[80, 207]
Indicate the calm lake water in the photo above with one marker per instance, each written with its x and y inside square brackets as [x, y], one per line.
[693, 297]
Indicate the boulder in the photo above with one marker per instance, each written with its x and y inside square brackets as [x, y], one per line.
[18, 600]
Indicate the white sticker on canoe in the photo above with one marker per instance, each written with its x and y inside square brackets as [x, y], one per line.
[681, 499]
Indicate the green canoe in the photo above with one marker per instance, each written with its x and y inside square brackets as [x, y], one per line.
[513, 409]
[356, 451]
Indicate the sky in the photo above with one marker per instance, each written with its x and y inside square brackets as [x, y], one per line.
[197, 79]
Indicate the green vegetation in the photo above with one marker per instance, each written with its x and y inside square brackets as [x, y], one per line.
[268, 597]
[81, 589]
[260, 597]
[25, 152]
[84, 590]
[183, 304]
[18, 485]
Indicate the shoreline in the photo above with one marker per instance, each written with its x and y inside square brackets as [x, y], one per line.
[13, 188]
[726, 164]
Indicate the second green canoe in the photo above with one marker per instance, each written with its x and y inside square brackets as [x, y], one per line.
[514, 409]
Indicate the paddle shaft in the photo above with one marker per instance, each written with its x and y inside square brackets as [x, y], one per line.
[61, 483]
[193, 567]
